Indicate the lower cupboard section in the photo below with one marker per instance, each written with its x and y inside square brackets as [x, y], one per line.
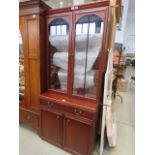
[52, 127]
[68, 132]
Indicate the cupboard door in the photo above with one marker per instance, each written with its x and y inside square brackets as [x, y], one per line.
[51, 127]
[88, 46]
[30, 31]
[59, 37]
[77, 136]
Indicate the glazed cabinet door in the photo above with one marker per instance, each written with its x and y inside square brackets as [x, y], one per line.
[77, 136]
[59, 31]
[90, 32]
[52, 127]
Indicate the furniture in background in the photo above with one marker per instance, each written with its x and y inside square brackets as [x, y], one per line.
[32, 28]
[119, 70]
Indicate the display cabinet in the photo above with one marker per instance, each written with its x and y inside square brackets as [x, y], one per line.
[76, 58]
[76, 53]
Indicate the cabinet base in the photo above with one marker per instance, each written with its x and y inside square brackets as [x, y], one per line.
[30, 118]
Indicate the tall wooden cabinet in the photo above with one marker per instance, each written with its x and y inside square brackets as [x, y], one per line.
[64, 64]
[32, 28]
[76, 47]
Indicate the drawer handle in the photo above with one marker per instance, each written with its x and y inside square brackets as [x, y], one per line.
[58, 117]
[28, 117]
[80, 112]
[77, 112]
[50, 105]
[68, 121]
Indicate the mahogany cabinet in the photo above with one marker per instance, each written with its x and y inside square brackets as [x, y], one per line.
[64, 65]
[76, 44]
[32, 28]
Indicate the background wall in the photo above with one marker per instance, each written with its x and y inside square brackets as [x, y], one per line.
[129, 36]
[126, 34]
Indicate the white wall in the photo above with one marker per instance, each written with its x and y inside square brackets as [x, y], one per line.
[126, 35]
[129, 36]
[120, 33]
[76, 2]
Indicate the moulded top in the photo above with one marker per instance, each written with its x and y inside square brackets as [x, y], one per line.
[32, 7]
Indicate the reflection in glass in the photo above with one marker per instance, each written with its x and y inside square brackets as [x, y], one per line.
[58, 47]
[88, 39]
[85, 28]
[78, 29]
[21, 69]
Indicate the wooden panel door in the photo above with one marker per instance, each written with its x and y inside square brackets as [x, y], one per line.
[52, 127]
[32, 61]
[77, 136]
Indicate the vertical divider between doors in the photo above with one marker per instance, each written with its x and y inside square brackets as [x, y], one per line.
[71, 54]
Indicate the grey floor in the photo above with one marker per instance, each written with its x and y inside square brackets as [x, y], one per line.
[31, 144]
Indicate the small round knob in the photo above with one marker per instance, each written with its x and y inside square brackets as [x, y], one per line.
[68, 121]
[80, 112]
[33, 16]
[28, 117]
[58, 117]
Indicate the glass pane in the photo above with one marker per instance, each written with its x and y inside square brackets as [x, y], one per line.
[92, 28]
[58, 47]
[58, 30]
[53, 30]
[78, 29]
[21, 70]
[85, 28]
[64, 29]
[87, 51]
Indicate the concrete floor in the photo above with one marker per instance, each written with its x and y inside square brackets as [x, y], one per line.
[31, 144]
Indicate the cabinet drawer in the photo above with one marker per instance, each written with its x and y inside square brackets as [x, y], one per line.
[48, 105]
[29, 118]
[80, 112]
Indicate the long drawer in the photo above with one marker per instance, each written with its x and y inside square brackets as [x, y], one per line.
[30, 118]
[49, 105]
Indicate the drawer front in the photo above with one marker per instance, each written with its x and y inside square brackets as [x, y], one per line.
[29, 118]
[48, 105]
[80, 112]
